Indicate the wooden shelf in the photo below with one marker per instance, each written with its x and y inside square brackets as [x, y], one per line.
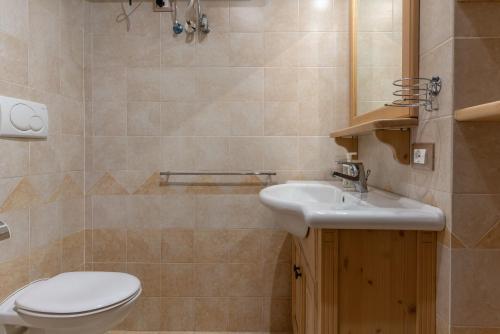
[380, 124]
[488, 112]
[387, 131]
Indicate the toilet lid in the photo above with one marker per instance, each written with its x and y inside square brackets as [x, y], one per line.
[78, 292]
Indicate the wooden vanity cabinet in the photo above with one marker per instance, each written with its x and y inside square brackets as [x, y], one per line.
[361, 282]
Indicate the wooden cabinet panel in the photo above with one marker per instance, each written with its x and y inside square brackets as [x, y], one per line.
[376, 283]
[364, 282]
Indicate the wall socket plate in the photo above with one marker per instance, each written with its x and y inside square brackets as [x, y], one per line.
[422, 156]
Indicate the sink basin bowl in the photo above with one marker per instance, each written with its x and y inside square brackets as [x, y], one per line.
[301, 205]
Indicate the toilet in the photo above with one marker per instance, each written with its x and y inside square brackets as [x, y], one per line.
[70, 303]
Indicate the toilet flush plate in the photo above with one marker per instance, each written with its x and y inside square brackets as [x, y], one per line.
[22, 118]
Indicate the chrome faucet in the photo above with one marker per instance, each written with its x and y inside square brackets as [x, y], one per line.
[360, 177]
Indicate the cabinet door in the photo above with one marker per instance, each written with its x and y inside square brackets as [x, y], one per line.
[309, 301]
[298, 291]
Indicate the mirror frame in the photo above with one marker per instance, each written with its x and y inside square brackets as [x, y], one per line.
[410, 60]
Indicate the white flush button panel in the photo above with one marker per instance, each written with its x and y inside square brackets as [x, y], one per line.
[21, 118]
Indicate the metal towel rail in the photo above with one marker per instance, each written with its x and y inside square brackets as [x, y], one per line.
[246, 173]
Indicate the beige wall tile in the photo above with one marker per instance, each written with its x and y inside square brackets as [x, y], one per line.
[14, 58]
[146, 315]
[276, 279]
[144, 83]
[143, 119]
[73, 252]
[474, 216]
[316, 15]
[246, 49]
[109, 245]
[109, 83]
[439, 60]
[325, 49]
[281, 153]
[18, 244]
[277, 314]
[109, 118]
[107, 50]
[150, 276]
[14, 275]
[72, 216]
[210, 246]
[17, 163]
[476, 84]
[437, 13]
[144, 153]
[474, 293]
[476, 20]
[211, 279]
[143, 245]
[178, 84]
[474, 148]
[247, 17]
[45, 225]
[178, 211]
[281, 118]
[245, 280]
[281, 84]
[45, 261]
[245, 153]
[243, 246]
[214, 50]
[144, 211]
[211, 314]
[177, 314]
[281, 15]
[231, 84]
[109, 212]
[281, 48]
[316, 153]
[143, 50]
[109, 153]
[245, 314]
[177, 50]
[177, 246]
[177, 280]
[14, 18]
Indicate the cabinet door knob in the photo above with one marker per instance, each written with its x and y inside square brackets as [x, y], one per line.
[296, 270]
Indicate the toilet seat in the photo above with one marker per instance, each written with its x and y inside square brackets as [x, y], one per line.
[77, 294]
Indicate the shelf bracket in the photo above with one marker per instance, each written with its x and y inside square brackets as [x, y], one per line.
[349, 143]
[398, 141]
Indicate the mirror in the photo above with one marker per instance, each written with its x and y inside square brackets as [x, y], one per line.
[384, 48]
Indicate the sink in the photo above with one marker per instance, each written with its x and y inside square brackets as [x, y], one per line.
[301, 205]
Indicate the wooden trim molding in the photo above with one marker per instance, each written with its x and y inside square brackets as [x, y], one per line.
[426, 282]
[410, 65]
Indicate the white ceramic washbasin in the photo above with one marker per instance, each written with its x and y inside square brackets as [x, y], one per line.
[300, 205]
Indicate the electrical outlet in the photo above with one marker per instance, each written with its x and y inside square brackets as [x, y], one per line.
[419, 156]
[423, 156]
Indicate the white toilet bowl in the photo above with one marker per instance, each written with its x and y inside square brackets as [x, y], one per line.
[70, 303]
